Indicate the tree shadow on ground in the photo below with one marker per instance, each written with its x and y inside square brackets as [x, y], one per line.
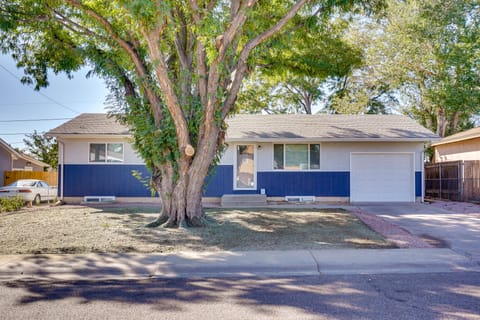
[257, 229]
[332, 297]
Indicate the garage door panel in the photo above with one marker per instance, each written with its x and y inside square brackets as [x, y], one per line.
[376, 177]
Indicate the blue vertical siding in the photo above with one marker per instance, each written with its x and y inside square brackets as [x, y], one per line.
[117, 180]
[418, 183]
[281, 183]
[104, 180]
[314, 183]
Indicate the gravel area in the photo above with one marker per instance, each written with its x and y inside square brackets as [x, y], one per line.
[395, 234]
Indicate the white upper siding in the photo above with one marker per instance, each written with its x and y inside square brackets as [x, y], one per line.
[334, 156]
[76, 151]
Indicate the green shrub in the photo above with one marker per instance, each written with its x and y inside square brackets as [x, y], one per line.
[11, 204]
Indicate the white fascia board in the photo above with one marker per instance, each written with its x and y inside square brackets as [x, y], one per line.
[91, 136]
[297, 140]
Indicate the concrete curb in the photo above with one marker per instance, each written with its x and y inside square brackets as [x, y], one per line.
[231, 264]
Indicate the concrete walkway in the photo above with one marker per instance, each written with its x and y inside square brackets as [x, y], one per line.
[454, 225]
[231, 264]
[460, 233]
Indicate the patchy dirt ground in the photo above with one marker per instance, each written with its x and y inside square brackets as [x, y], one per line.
[81, 229]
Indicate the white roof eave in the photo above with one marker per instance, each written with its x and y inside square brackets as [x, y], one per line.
[330, 139]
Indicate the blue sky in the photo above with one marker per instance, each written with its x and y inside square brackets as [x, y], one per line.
[64, 98]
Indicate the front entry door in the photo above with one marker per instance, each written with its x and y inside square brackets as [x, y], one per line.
[245, 167]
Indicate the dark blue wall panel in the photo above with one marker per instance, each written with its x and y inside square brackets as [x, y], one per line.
[281, 183]
[117, 180]
[326, 184]
[104, 180]
[418, 184]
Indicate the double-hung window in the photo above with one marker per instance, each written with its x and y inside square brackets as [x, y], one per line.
[296, 156]
[106, 152]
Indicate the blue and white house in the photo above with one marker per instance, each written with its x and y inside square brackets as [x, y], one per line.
[356, 158]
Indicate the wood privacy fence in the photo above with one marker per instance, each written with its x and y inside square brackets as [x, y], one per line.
[454, 180]
[11, 176]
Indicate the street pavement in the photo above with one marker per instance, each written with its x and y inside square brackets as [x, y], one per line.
[425, 296]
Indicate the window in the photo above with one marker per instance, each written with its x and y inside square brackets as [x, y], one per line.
[106, 152]
[245, 171]
[296, 156]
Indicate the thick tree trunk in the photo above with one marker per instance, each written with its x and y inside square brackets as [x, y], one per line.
[182, 195]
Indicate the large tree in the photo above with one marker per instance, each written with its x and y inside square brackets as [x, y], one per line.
[174, 68]
[422, 56]
[293, 75]
[42, 147]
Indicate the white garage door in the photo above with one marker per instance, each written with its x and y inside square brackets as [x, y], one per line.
[377, 177]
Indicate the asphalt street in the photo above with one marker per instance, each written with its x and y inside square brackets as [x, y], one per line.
[388, 296]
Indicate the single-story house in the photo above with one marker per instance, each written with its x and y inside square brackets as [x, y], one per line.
[461, 146]
[12, 160]
[357, 158]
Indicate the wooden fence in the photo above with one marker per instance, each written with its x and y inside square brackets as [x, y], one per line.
[454, 180]
[11, 176]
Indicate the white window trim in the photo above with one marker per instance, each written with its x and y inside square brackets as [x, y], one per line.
[295, 170]
[255, 156]
[106, 153]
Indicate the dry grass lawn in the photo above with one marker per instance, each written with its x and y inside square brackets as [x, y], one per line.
[82, 229]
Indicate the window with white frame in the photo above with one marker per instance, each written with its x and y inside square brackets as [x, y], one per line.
[106, 152]
[296, 156]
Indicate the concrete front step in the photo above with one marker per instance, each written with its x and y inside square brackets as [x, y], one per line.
[243, 200]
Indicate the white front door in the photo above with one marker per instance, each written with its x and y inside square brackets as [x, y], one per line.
[245, 177]
[382, 177]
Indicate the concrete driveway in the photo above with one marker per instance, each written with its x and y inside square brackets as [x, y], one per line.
[453, 225]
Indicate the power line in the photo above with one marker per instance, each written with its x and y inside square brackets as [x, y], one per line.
[17, 133]
[35, 120]
[41, 93]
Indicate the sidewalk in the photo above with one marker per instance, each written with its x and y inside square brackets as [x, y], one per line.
[231, 264]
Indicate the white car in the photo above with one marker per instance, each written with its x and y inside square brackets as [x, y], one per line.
[30, 190]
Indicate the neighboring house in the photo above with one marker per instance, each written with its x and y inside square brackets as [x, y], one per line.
[12, 160]
[461, 146]
[357, 158]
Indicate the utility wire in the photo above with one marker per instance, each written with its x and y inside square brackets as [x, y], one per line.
[17, 133]
[35, 120]
[41, 93]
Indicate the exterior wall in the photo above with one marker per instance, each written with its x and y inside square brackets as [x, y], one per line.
[76, 151]
[332, 180]
[20, 164]
[5, 164]
[81, 178]
[461, 150]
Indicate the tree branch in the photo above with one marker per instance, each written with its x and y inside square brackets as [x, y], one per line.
[247, 49]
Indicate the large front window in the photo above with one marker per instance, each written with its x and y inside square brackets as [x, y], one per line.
[296, 156]
[106, 152]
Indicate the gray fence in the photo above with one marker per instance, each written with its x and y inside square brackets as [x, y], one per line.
[454, 180]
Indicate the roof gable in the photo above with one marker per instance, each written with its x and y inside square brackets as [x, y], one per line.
[19, 155]
[461, 136]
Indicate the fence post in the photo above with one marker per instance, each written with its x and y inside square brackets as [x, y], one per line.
[461, 179]
[440, 180]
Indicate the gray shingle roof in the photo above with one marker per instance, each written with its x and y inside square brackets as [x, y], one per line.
[323, 127]
[90, 124]
[283, 127]
[461, 136]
